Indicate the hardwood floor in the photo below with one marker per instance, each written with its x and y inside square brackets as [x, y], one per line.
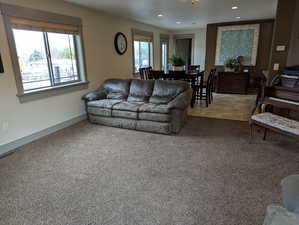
[226, 106]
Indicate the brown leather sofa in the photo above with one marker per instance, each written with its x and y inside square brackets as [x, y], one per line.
[145, 105]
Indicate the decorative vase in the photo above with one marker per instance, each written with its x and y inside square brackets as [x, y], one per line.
[226, 69]
[178, 68]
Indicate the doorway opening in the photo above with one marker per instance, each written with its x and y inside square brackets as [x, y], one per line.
[183, 46]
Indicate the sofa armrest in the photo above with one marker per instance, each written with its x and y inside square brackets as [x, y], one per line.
[182, 101]
[279, 215]
[92, 96]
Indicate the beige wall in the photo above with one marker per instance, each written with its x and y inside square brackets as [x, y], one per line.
[198, 45]
[20, 120]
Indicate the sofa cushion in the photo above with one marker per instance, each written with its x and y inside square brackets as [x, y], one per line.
[155, 108]
[116, 96]
[277, 215]
[155, 127]
[140, 90]
[124, 114]
[105, 103]
[117, 88]
[278, 122]
[114, 122]
[99, 111]
[157, 117]
[128, 106]
[165, 91]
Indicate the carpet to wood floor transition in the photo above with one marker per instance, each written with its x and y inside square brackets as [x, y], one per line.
[226, 106]
[86, 174]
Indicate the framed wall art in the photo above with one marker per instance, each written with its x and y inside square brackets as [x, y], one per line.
[238, 40]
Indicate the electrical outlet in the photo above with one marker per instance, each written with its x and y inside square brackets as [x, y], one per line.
[276, 67]
[4, 126]
[280, 48]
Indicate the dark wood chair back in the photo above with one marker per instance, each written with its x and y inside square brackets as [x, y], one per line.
[156, 74]
[199, 78]
[213, 73]
[211, 77]
[210, 86]
[194, 69]
[145, 73]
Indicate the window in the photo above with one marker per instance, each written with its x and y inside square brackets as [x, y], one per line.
[164, 56]
[142, 53]
[143, 50]
[164, 40]
[46, 49]
[45, 59]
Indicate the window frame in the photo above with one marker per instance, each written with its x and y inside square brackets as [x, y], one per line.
[150, 53]
[164, 39]
[149, 35]
[50, 65]
[9, 11]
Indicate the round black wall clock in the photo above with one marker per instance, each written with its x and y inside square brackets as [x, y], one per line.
[120, 43]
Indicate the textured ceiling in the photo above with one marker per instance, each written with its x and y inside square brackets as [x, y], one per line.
[190, 16]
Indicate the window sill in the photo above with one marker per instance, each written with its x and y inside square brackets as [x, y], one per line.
[52, 91]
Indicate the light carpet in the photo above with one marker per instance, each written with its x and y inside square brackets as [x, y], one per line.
[226, 106]
[87, 174]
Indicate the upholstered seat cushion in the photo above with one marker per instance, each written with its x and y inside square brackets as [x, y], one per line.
[99, 111]
[124, 114]
[105, 103]
[102, 107]
[155, 108]
[128, 106]
[278, 122]
[157, 117]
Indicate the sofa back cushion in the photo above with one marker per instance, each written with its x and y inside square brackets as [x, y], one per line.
[165, 91]
[141, 90]
[117, 88]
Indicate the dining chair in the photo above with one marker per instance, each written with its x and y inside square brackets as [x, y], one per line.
[204, 83]
[194, 68]
[204, 91]
[156, 74]
[145, 73]
[177, 73]
[142, 73]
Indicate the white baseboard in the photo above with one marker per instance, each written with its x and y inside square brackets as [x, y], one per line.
[7, 148]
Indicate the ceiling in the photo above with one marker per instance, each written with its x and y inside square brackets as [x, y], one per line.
[181, 14]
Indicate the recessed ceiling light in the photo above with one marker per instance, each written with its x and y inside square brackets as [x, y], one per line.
[160, 15]
[235, 7]
[238, 17]
[178, 22]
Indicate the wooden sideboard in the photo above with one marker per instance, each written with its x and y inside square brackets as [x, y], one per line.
[232, 83]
